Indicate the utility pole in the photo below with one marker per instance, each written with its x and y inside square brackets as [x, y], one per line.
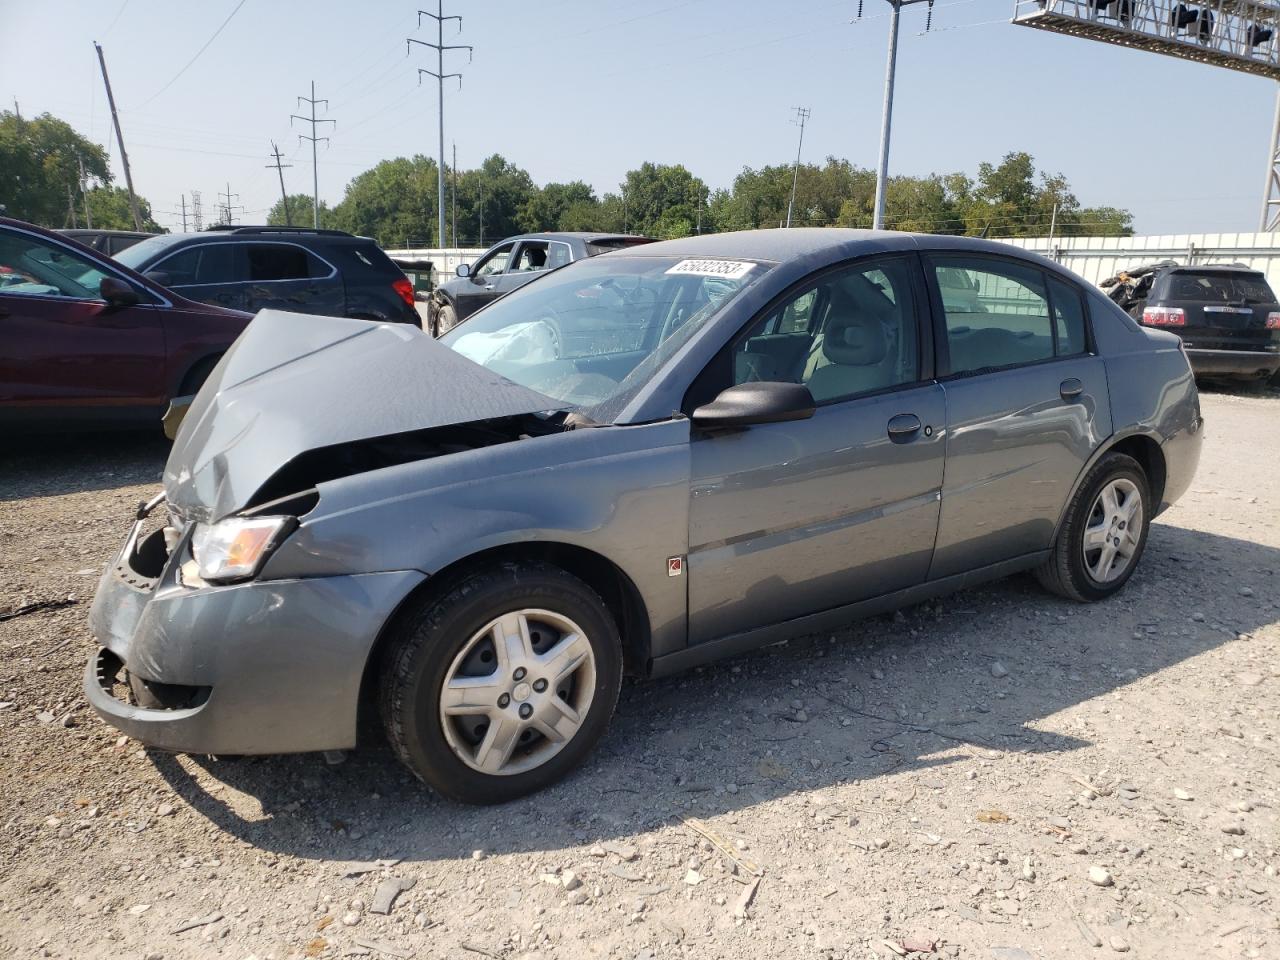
[84, 194]
[226, 215]
[440, 47]
[184, 213]
[315, 174]
[197, 212]
[124, 157]
[802, 117]
[454, 171]
[280, 168]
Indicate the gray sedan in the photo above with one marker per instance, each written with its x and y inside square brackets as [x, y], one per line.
[635, 464]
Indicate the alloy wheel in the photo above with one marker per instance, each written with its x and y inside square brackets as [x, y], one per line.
[1114, 530]
[517, 692]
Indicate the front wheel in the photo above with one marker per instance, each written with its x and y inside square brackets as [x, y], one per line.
[446, 319]
[503, 685]
[1103, 534]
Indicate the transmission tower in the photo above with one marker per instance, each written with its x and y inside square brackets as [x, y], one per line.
[197, 212]
[315, 169]
[226, 210]
[801, 118]
[440, 47]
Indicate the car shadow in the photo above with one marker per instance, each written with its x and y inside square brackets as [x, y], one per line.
[55, 465]
[912, 692]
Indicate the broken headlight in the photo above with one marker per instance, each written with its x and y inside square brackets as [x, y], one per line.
[236, 548]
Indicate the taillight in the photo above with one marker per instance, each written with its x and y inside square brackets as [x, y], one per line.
[1273, 321]
[404, 287]
[1164, 317]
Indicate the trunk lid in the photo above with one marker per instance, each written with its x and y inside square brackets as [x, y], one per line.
[293, 383]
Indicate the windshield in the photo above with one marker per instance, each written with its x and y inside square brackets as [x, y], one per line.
[1220, 288]
[593, 333]
[145, 250]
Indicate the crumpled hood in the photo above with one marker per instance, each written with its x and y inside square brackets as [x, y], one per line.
[296, 382]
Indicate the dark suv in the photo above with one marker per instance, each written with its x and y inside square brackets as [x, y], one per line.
[328, 272]
[1226, 314]
[513, 263]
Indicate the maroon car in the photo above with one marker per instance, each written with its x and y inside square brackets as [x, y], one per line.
[86, 341]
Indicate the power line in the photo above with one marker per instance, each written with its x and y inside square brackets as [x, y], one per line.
[197, 56]
[440, 47]
[315, 168]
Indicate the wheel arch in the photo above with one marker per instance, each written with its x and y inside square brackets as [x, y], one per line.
[183, 382]
[1141, 444]
[618, 591]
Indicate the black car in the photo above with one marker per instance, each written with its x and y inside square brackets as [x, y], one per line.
[513, 263]
[328, 272]
[1226, 314]
[109, 242]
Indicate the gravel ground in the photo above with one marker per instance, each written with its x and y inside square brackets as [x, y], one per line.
[1000, 775]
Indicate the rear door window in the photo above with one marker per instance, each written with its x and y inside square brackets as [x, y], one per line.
[996, 313]
[277, 261]
[1068, 318]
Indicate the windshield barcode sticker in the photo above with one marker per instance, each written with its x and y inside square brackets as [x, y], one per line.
[726, 269]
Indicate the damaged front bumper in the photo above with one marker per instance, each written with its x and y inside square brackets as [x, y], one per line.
[265, 666]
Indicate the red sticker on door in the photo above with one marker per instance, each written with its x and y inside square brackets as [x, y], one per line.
[675, 566]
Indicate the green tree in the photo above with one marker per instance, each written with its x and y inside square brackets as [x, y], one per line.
[300, 213]
[546, 207]
[663, 200]
[394, 202]
[39, 164]
[109, 208]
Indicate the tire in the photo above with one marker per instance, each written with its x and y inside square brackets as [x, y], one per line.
[453, 637]
[196, 376]
[446, 319]
[1071, 571]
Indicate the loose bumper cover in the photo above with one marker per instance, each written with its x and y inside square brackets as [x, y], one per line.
[277, 664]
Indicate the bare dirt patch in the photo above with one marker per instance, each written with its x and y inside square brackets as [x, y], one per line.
[999, 775]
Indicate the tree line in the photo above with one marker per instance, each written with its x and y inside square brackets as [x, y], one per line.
[395, 202]
[50, 174]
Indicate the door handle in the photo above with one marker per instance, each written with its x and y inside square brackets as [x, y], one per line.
[903, 427]
[1070, 388]
[488, 286]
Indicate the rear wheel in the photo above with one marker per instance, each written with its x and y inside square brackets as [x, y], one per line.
[503, 685]
[1103, 534]
[196, 376]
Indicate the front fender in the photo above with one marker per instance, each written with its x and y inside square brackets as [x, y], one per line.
[620, 492]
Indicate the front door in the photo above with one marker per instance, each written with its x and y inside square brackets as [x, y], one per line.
[62, 347]
[1027, 405]
[484, 281]
[794, 518]
[212, 273]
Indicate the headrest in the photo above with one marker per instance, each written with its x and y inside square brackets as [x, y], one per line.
[853, 337]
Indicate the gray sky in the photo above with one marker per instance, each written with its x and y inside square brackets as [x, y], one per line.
[586, 89]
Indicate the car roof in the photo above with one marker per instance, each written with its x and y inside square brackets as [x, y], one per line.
[776, 244]
[95, 232]
[584, 235]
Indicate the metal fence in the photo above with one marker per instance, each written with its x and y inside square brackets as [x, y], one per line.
[445, 261]
[1097, 258]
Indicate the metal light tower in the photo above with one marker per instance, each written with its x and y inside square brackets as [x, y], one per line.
[440, 47]
[886, 123]
[1240, 35]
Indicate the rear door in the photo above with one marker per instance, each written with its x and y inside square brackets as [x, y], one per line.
[1026, 401]
[789, 519]
[62, 347]
[206, 272]
[286, 276]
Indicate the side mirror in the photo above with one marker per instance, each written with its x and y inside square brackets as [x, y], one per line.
[117, 293]
[752, 403]
[463, 270]
[159, 276]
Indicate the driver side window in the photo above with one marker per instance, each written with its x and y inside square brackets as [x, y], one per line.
[496, 264]
[851, 333]
[32, 267]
